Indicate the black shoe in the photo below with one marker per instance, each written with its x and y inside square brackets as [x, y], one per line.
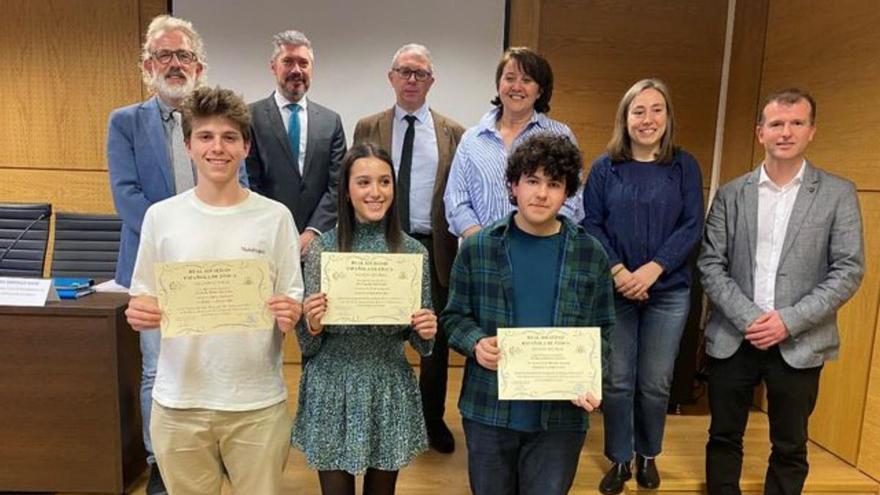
[440, 438]
[155, 486]
[646, 473]
[612, 483]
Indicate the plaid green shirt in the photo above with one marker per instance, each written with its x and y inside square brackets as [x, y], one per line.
[481, 301]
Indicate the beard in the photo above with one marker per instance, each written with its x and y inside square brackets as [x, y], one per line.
[299, 92]
[167, 91]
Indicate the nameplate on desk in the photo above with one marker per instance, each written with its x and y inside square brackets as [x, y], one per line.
[18, 291]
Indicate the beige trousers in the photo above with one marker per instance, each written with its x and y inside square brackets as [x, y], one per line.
[192, 446]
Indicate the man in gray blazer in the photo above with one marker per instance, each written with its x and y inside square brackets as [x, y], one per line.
[296, 144]
[783, 251]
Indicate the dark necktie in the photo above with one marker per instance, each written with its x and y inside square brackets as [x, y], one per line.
[293, 133]
[405, 172]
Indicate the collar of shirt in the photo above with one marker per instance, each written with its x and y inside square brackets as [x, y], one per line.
[488, 121]
[165, 110]
[502, 228]
[282, 102]
[421, 114]
[765, 181]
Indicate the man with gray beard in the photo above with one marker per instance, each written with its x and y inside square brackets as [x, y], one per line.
[148, 162]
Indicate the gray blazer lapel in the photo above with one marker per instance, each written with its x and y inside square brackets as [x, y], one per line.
[151, 120]
[802, 203]
[276, 124]
[750, 207]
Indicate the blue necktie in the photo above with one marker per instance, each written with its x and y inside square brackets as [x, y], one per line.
[293, 133]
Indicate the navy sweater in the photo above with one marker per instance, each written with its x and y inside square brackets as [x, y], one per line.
[647, 211]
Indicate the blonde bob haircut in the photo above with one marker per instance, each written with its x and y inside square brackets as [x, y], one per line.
[620, 146]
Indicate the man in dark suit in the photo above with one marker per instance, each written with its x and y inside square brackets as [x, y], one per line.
[783, 252]
[297, 144]
[421, 143]
[148, 162]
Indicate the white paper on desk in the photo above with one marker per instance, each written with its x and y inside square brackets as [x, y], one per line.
[19, 291]
[110, 286]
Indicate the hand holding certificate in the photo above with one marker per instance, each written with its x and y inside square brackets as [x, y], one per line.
[199, 298]
[549, 363]
[371, 288]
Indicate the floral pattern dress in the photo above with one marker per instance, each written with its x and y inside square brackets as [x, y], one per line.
[359, 405]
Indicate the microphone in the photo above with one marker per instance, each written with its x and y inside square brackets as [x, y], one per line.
[27, 229]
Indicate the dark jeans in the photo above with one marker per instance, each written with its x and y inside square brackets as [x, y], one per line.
[791, 397]
[644, 345]
[502, 461]
[433, 370]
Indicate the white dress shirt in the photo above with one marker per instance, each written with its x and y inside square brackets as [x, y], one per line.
[303, 103]
[424, 164]
[774, 209]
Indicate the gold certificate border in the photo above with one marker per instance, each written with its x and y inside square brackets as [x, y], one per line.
[335, 271]
[588, 345]
[256, 288]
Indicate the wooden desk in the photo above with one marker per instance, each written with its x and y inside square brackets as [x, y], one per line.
[69, 395]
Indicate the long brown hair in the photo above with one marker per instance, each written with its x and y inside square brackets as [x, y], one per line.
[346, 218]
[620, 146]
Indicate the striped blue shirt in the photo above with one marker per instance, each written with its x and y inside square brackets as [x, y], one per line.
[476, 193]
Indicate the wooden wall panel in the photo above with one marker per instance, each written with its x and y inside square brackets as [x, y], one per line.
[524, 25]
[830, 49]
[599, 48]
[869, 445]
[73, 62]
[743, 95]
[82, 191]
[147, 10]
[69, 63]
[836, 422]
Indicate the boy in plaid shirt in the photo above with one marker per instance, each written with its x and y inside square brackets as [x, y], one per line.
[533, 268]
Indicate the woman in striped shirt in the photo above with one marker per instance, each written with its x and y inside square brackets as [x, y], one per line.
[476, 193]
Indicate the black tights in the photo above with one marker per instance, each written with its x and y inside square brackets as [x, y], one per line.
[376, 482]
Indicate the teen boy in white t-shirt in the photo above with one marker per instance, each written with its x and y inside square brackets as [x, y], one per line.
[219, 400]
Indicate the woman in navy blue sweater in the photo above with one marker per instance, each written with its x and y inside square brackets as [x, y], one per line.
[644, 202]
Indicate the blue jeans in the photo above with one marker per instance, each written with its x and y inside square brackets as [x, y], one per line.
[502, 461]
[150, 343]
[644, 345]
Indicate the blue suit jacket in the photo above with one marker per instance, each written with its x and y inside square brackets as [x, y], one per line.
[140, 173]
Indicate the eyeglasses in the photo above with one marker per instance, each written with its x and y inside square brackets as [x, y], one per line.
[185, 57]
[405, 73]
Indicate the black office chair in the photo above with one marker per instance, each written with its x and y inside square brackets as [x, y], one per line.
[86, 245]
[24, 235]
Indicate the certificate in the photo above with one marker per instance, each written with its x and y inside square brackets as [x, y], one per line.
[371, 288]
[206, 297]
[549, 363]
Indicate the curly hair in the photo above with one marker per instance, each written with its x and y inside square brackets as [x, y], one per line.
[557, 155]
[208, 102]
